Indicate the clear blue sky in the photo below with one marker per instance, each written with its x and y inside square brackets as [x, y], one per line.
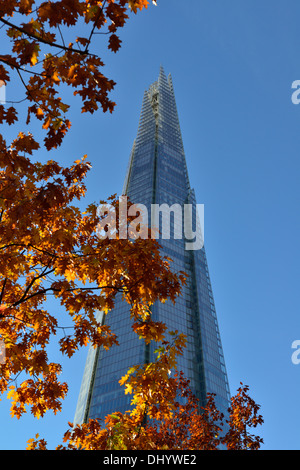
[232, 64]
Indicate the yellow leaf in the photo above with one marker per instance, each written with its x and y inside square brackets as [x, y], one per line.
[11, 393]
[70, 275]
[35, 54]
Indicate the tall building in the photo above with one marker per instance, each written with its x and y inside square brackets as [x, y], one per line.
[157, 174]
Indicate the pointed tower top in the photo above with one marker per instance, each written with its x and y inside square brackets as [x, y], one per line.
[162, 76]
[161, 70]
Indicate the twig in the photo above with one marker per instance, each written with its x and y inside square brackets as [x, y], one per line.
[94, 26]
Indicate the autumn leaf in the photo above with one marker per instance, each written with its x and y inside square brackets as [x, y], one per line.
[3, 308]
[11, 115]
[134, 5]
[25, 143]
[114, 43]
[4, 76]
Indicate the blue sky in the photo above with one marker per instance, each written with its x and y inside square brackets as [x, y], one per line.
[233, 64]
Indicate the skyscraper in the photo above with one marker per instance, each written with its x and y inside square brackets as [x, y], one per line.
[157, 174]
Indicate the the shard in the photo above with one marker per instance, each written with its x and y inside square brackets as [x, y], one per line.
[157, 174]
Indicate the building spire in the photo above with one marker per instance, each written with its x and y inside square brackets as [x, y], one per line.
[161, 71]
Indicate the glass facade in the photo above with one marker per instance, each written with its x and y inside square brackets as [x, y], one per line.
[157, 174]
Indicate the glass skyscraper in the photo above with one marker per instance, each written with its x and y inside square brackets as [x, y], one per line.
[157, 174]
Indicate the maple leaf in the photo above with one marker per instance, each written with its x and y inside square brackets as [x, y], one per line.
[134, 5]
[4, 76]
[114, 43]
[11, 115]
[25, 6]
[25, 143]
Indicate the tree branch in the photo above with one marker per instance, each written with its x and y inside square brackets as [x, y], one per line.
[2, 290]
[45, 41]
[53, 289]
[18, 67]
[44, 273]
[94, 26]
